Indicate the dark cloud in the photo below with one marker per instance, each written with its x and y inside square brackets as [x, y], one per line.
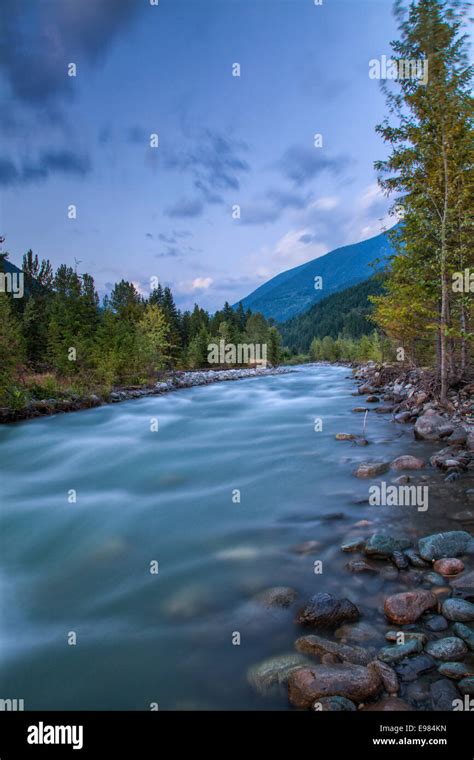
[214, 161]
[149, 235]
[300, 164]
[272, 206]
[185, 208]
[308, 238]
[49, 162]
[40, 38]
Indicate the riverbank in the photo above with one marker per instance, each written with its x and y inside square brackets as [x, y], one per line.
[171, 381]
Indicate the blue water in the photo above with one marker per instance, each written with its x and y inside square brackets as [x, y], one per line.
[167, 496]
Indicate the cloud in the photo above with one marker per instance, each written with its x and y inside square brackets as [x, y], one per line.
[300, 164]
[185, 208]
[38, 41]
[171, 252]
[271, 207]
[174, 236]
[213, 161]
[202, 283]
[49, 162]
[149, 235]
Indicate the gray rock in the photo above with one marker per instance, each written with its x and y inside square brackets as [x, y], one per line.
[432, 427]
[466, 686]
[371, 469]
[415, 559]
[458, 610]
[443, 694]
[279, 596]
[435, 623]
[316, 646]
[434, 579]
[411, 668]
[326, 611]
[465, 633]
[274, 671]
[334, 704]
[450, 648]
[400, 651]
[455, 670]
[400, 560]
[450, 544]
[383, 545]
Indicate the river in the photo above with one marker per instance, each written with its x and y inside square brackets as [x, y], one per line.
[82, 568]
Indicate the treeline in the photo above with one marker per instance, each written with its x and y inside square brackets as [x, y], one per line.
[428, 307]
[342, 314]
[373, 346]
[59, 334]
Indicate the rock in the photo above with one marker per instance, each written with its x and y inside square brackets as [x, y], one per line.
[329, 659]
[386, 674]
[408, 635]
[450, 544]
[415, 558]
[354, 682]
[372, 399]
[382, 545]
[458, 437]
[402, 480]
[432, 427]
[398, 652]
[466, 686]
[443, 693]
[388, 704]
[411, 668]
[360, 409]
[464, 581]
[389, 573]
[465, 633]
[279, 596]
[371, 469]
[451, 566]
[407, 462]
[408, 606]
[384, 409]
[433, 578]
[400, 560]
[345, 437]
[334, 704]
[326, 611]
[455, 670]
[450, 648]
[357, 545]
[458, 610]
[316, 646]
[435, 623]
[307, 547]
[360, 632]
[464, 516]
[360, 566]
[274, 671]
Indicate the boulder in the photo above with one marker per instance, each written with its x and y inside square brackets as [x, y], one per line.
[407, 462]
[371, 469]
[326, 611]
[459, 610]
[354, 682]
[449, 566]
[432, 427]
[450, 648]
[316, 646]
[408, 606]
[453, 543]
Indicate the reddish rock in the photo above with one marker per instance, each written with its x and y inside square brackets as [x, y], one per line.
[407, 462]
[408, 606]
[345, 436]
[450, 566]
[386, 674]
[371, 469]
[353, 682]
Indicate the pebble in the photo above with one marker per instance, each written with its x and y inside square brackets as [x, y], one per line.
[450, 648]
[458, 610]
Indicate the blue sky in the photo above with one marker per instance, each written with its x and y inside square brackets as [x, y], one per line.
[223, 140]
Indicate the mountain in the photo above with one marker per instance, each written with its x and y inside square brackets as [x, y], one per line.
[293, 292]
[344, 313]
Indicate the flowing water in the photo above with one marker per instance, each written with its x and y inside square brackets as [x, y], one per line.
[170, 496]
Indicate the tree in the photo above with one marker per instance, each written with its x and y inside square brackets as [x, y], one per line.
[12, 352]
[154, 329]
[432, 154]
[274, 346]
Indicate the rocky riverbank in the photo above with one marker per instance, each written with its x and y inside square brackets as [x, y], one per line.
[173, 381]
[415, 651]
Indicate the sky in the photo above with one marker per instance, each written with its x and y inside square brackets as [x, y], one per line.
[224, 141]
